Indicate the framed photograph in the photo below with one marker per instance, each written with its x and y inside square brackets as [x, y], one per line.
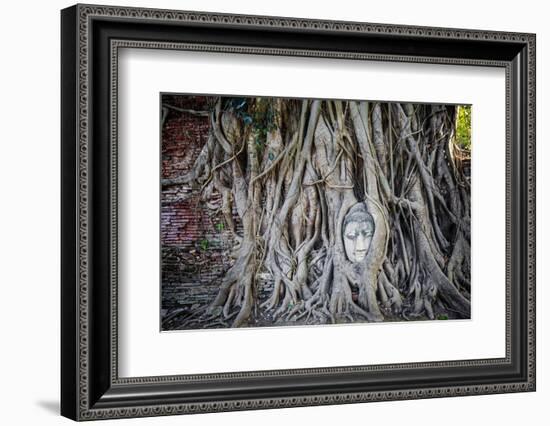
[263, 212]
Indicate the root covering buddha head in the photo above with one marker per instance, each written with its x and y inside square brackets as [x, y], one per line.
[357, 231]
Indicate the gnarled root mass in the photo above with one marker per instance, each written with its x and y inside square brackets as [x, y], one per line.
[288, 172]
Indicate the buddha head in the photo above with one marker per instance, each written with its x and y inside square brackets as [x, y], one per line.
[358, 229]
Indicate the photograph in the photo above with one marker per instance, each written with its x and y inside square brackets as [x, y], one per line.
[275, 208]
[297, 212]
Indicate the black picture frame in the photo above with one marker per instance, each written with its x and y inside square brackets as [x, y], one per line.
[90, 386]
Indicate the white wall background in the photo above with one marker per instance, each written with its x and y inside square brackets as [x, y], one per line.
[29, 213]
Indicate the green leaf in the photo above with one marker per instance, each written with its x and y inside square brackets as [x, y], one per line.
[464, 127]
[204, 243]
[442, 317]
[220, 226]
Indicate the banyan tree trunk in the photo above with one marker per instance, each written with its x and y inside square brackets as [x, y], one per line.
[356, 211]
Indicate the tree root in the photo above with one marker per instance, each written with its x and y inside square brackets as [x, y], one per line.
[283, 174]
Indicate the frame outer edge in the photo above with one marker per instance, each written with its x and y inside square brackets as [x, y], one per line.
[531, 200]
[69, 220]
[82, 136]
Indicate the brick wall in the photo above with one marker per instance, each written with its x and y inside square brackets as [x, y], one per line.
[195, 247]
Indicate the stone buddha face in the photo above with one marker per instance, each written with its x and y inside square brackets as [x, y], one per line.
[358, 229]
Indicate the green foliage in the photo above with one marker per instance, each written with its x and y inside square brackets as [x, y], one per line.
[257, 113]
[220, 226]
[204, 243]
[442, 317]
[464, 127]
